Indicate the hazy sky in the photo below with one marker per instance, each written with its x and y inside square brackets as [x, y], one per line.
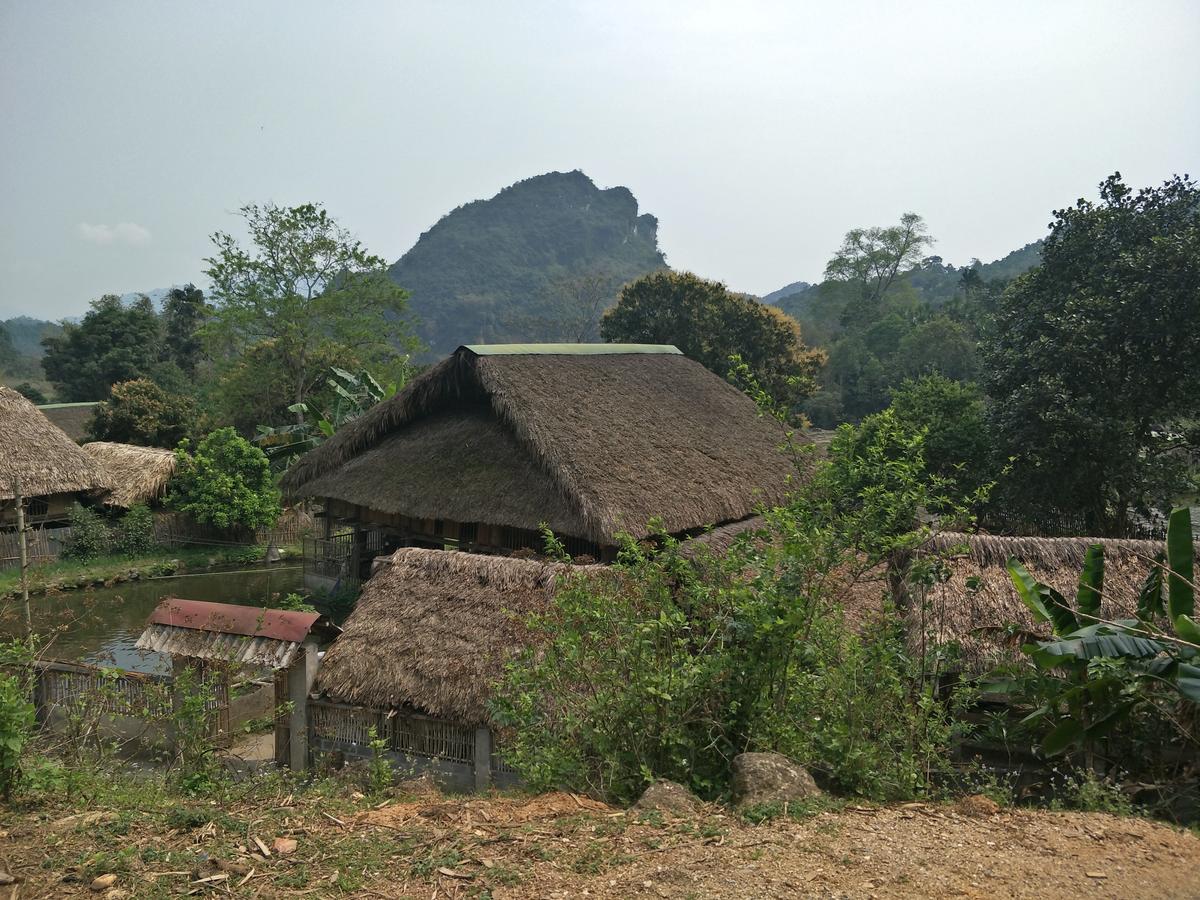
[757, 132]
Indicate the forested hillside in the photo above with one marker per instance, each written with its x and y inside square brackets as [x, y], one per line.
[539, 261]
[925, 319]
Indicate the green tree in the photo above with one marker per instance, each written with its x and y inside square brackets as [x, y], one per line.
[950, 415]
[307, 289]
[140, 412]
[29, 392]
[226, 482]
[115, 342]
[183, 315]
[1092, 360]
[710, 324]
[871, 258]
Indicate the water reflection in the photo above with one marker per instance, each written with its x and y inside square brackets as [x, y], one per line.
[102, 625]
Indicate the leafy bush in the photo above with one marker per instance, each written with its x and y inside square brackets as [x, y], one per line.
[90, 536]
[667, 667]
[227, 483]
[1108, 692]
[135, 532]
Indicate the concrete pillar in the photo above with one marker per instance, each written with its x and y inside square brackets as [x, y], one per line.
[483, 758]
[301, 677]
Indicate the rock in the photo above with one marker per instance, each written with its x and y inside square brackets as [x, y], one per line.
[283, 846]
[976, 805]
[669, 797]
[103, 882]
[762, 778]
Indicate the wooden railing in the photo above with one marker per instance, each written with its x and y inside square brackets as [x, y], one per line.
[457, 753]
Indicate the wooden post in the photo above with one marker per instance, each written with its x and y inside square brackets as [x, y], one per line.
[24, 551]
[301, 676]
[483, 758]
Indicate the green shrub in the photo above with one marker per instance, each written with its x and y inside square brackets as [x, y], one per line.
[135, 532]
[226, 482]
[16, 713]
[90, 536]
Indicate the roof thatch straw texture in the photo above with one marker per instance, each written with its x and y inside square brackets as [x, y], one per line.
[432, 629]
[73, 418]
[617, 438]
[45, 459]
[134, 474]
[719, 540]
[976, 605]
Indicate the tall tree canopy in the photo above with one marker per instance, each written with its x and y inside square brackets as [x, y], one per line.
[305, 291]
[1093, 364]
[115, 342]
[140, 412]
[709, 323]
[183, 314]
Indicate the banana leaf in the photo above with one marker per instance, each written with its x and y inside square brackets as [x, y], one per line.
[1094, 641]
[1180, 559]
[1150, 597]
[1046, 604]
[1091, 581]
[1063, 736]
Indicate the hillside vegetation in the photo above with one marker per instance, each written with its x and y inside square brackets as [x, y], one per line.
[506, 269]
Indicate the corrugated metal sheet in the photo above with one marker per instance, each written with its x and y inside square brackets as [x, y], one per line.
[229, 618]
[233, 648]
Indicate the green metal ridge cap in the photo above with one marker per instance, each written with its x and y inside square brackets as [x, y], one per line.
[568, 349]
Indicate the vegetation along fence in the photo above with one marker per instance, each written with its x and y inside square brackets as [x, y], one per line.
[76, 689]
[458, 755]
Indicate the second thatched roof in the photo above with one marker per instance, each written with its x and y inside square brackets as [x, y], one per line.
[432, 630]
[977, 607]
[41, 455]
[133, 474]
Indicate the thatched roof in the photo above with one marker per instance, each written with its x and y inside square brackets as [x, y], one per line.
[975, 606]
[72, 418]
[597, 441]
[133, 474]
[433, 628]
[45, 459]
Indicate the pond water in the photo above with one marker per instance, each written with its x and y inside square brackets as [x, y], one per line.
[101, 626]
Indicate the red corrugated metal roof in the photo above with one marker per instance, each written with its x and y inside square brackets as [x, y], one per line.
[228, 618]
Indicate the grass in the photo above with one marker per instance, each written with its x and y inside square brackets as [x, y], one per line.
[65, 574]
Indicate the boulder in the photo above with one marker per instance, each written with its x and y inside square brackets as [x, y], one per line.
[669, 797]
[762, 778]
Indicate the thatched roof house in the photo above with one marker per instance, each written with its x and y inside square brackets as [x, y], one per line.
[50, 465]
[133, 474]
[976, 605]
[73, 418]
[432, 630]
[593, 439]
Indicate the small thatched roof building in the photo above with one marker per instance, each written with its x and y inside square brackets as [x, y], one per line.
[133, 474]
[976, 605]
[593, 439]
[432, 630]
[73, 418]
[48, 462]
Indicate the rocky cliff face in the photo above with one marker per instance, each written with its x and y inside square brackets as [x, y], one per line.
[494, 270]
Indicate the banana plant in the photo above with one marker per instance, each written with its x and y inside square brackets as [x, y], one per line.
[1096, 670]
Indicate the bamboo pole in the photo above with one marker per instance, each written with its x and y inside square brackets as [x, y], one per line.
[24, 552]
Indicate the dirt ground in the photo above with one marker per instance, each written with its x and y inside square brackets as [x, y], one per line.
[559, 845]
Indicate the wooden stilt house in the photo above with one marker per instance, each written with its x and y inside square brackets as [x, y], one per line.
[591, 439]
